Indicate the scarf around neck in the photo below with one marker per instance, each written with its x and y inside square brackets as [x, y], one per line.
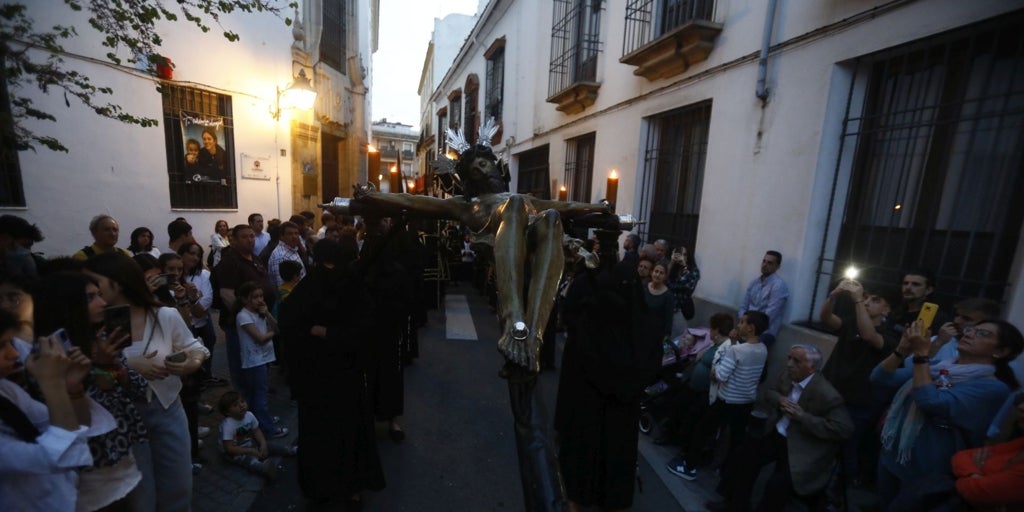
[905, 420]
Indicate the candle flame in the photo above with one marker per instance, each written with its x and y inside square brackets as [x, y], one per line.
[370, 148]
[614, 175]
[394, 169]
[563, 189]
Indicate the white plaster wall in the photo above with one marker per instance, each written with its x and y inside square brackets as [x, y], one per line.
[120, 169]
[769, 170]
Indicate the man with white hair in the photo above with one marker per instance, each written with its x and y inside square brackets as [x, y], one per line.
[805, 427]
[105, 232]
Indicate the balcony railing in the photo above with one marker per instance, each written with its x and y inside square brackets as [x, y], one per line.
[665, 37]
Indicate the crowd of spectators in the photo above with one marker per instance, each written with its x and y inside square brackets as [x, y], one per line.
[913, 405]
[106, 352]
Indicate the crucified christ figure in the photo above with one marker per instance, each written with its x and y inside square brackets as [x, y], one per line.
[527, 231]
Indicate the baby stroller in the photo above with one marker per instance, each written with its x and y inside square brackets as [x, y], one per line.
[664, 395]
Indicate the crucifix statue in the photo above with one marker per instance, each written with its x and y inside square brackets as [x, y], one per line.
[527, 234]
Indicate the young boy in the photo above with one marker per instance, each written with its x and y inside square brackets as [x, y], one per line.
[243, 441]
[291, 273]
[256, 331]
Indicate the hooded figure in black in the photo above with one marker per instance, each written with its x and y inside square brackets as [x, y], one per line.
[328, 321]
[612, 353]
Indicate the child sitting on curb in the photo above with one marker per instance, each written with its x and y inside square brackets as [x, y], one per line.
[243, 441]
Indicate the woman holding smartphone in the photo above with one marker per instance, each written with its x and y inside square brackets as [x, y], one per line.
[683, 276]
[942, 408]
[157, 332]
[70, 300]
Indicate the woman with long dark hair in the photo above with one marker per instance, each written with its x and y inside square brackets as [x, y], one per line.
[163, 350]
[199, 292]
[142, 242]
[942, 408]
[71, 300]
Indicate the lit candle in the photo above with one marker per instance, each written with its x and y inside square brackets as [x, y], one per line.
[563, 194]
[396, 180]
[613, 187]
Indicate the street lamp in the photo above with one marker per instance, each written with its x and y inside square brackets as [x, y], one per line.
[300, 94]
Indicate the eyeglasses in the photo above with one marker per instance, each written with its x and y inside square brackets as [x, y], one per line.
[12, 298]
[984, 333]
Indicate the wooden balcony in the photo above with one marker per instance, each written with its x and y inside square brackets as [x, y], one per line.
[674, 52]
[575, 98]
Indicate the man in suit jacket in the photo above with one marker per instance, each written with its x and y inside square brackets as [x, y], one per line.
[807, 423]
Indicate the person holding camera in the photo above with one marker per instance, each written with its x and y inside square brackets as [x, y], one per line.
[683, 276]
[941, 408]
[71, 301]
[864, 338]
[44, 443]
[163, 350]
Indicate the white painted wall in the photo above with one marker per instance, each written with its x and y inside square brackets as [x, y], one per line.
[760, 193]
[120, 169]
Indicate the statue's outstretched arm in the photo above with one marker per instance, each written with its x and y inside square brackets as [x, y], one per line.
[572, 209]
[367, 201]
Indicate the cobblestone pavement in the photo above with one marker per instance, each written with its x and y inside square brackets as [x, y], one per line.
[221, 486]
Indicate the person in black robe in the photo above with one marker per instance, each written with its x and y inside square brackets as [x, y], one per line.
[328, 322]
[612, 352]
[390, 282]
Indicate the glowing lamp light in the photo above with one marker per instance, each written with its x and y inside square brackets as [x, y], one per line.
[300, 94]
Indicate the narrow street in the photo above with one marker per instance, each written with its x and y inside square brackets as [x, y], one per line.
[459, 454]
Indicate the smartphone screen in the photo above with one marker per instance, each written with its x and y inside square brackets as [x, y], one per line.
[117, 316]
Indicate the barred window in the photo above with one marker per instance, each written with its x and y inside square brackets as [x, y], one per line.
[533, 173]
[442, 125]
[579, 166]
[472, 110]
[575, 43]
[674, 158]
[647, 20]
[495, 81]
[334, 36]
[931, 147]
[455, 110]
[200, 137]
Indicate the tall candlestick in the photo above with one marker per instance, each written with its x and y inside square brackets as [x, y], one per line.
[563, 194]
[396, 180]
[612, 187]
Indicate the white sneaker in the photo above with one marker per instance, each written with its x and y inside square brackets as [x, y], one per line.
[203, 431]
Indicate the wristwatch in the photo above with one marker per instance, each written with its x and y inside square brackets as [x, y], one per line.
[921, 360]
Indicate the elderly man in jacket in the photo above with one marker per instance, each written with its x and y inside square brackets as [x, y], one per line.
[807, 424]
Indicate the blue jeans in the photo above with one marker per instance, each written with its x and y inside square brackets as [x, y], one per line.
[233, 347]
[257, 385]
[165, 461]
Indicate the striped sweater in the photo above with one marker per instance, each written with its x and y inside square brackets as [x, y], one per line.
[740, 371]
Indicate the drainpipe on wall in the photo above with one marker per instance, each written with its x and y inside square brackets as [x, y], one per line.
[762, 62]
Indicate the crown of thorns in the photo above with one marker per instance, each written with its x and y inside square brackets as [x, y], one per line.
[456, 140]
